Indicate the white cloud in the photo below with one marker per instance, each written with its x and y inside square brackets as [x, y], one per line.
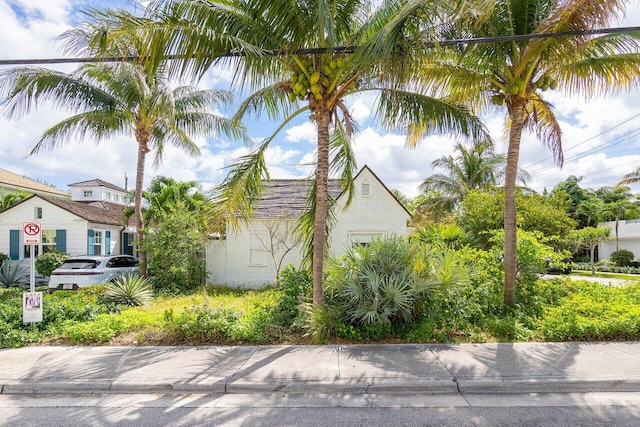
[306, 132]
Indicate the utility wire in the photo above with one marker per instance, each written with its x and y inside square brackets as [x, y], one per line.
[586, 140]
[627, 136]
[339, 49]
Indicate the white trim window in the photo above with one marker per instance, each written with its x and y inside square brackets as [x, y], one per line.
[366, 189]
[363, 238]
[97, 242]
[87, 194]
[48, 241]
[257, 252]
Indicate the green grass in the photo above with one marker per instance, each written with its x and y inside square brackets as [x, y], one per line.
[606, 275]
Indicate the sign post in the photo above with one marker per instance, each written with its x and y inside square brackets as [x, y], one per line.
[32, 301]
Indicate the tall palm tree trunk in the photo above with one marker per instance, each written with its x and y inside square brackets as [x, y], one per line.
[323, 119]
[142, 154]
[516, 111]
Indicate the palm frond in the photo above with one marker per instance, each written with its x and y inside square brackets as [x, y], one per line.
[419, 115]
[235, 197]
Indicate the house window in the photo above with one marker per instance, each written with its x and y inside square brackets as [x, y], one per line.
[258, 254]
[27, 251]
[37, 212]
[365, 189]
[97, 243]
[116, 197]
[87, 194]
[362, 239]
[108, 195]
[48, 241]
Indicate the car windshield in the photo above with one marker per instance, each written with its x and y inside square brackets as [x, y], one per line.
[74, 264]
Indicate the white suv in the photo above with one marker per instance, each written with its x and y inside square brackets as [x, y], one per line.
[81, 271]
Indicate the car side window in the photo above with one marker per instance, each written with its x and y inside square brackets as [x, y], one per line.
[113, 262]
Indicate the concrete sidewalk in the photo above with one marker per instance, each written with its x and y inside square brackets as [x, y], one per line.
[427, 369]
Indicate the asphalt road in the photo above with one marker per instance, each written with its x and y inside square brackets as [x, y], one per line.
[582, 409]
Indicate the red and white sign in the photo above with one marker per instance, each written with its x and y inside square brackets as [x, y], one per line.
[31, 233]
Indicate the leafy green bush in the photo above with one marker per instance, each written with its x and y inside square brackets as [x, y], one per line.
[205, 325]
[604, 266]
[131, 290]
[49, 261]
[175, 248]
[622, 257]
[295, 287]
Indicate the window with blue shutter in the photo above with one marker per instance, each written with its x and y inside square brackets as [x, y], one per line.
[61, 240]
[125, 244]
[107, 242]
[14, 244]
[90, 234]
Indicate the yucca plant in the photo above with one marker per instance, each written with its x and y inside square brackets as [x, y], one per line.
[12, 274]
[131, 290]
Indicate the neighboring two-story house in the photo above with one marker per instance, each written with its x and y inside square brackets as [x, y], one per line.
[89, 223]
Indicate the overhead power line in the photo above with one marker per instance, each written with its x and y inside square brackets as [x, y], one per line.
[339, 49]
[585, 141]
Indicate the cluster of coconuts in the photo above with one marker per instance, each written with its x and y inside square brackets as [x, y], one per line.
[519, 85]
[308, 79]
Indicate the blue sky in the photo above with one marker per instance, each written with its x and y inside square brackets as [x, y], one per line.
[611, 122]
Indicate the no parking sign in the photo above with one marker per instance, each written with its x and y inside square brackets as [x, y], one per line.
[31, 233]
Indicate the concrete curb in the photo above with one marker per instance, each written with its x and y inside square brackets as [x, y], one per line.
[379, 386]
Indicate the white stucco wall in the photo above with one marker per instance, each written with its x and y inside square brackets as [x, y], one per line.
[377, 214]
[243, 260]
[231, 262]
[628, 238]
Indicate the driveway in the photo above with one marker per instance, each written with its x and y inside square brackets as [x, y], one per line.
[602, 280]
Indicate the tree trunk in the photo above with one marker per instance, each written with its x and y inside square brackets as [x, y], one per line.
[516, 112]
[323, 119]
[142, 253]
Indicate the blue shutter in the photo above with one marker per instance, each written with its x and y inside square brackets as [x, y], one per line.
[90, 242]
[107, 242]
[61, 240]
[125, 244]
[14, 244]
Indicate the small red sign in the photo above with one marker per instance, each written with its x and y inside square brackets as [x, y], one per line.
[31, 233]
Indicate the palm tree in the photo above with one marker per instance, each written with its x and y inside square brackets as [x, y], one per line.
[163, 194]
[118, 99]
[514, 74]
[314, 82]
[617, 204]
[473, 168]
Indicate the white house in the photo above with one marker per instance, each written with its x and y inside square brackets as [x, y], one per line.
[249, 257]
[628, 238]
[87, 224]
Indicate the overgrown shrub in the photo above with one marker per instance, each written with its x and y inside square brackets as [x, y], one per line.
[384, 282]
[176, 250]
[204, 325]
[49, 261]
[622, 257]
[295, 287]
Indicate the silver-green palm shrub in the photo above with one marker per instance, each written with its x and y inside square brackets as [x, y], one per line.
[384, 282]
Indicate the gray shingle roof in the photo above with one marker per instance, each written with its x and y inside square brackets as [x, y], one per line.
[97, 182]
[97, 212]
[287, 198]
